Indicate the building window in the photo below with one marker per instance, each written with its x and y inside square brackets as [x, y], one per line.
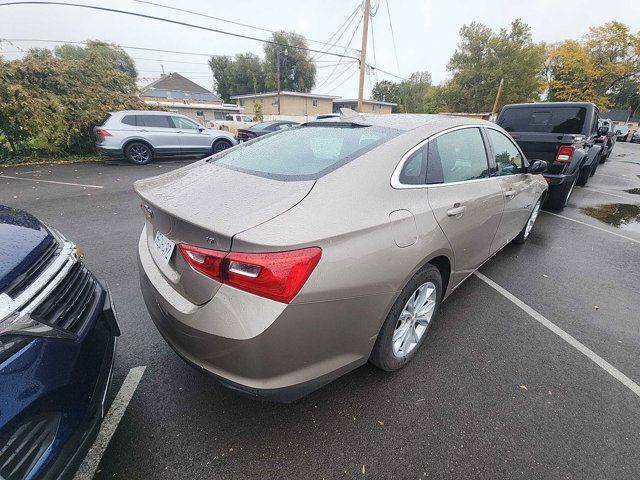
[200, 113]
[314, 102]
[274, 102]
[242, 103]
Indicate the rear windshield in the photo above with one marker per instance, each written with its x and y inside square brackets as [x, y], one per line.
[262, 126]
[104, 119]
[544, 120]
[304, 153]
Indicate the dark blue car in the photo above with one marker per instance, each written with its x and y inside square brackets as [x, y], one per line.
[57, 343]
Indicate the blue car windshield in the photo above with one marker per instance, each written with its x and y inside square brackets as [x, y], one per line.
[304, 153]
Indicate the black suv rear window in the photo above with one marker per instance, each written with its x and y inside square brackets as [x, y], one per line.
[304, 153]
[544, 120]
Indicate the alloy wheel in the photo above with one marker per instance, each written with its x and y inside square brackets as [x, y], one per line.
[139, 153]
[414, 320]
[532, 219]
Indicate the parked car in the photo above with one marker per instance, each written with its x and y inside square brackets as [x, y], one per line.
[331, 244]
[263, 128]
[142, 135]
[564, 134]
[635, 138]
[608, 139]
[232, 122]
[58, 334]
[621, 132]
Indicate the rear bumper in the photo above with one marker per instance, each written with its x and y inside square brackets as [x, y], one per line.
[73, 379]
[259, 347]
[559, 179]
[112, 152]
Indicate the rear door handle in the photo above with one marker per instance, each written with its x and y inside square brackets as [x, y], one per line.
[510, 193]
[456, 211]
[143, 131]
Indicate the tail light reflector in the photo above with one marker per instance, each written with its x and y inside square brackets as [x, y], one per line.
[278, 276]
[565, 153]
[103, 133]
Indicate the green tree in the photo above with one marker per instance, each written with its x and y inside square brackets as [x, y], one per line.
[385, 91]
[415, 95]
[483, 57]
[50, 104]
[237, 76]
[98, 51]
[297, 71]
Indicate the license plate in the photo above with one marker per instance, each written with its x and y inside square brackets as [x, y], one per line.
[164, 246]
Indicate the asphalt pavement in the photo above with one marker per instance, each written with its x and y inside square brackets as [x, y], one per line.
[493, 393]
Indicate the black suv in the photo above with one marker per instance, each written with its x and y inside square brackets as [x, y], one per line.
[564, 134]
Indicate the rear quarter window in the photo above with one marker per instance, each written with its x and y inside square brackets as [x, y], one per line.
[304, 153]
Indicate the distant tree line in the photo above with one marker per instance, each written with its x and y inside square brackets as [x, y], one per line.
[49, 100]
[248, 73]
[603, 67]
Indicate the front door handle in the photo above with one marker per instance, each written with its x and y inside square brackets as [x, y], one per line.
[510, 193]
[143, 131]
[456, 211]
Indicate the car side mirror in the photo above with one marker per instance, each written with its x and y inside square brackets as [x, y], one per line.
[603, 130]
[618, 132]
[537, 166]
[201, 128]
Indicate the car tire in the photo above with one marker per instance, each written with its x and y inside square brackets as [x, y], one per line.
[528, 227]
[390, 355]
[595, 167]
[220, 145]
[559, 197]
[139, 153]
[583, 176]
[603, 158]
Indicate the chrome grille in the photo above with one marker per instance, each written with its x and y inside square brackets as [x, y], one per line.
[69, 303]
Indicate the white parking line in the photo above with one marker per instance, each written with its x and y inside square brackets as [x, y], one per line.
[51, 181]
[594, 357]
[110, 424]
[593, 226]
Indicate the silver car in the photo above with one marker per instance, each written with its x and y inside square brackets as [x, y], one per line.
[142, 135]
[283, 263]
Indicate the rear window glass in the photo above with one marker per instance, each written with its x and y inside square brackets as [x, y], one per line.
[544, 120]
[304, 153]
[129, 120]
[161, 121]
[104, 119]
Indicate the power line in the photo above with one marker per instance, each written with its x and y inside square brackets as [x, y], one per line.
[344, 27]
[199, 14]
[345, 81]
[176, 22]
[393, 37]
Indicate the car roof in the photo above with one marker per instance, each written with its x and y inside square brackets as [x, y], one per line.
[409, 121]
[550, 104]
[144, 112]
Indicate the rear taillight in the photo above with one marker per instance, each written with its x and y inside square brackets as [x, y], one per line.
[103, 133]
[278, 275]
[565, 153]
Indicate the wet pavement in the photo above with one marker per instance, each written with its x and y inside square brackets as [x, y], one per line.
[492, 394]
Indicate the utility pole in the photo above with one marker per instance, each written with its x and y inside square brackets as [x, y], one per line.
[278, 75]
[363, 53]
[495, 104]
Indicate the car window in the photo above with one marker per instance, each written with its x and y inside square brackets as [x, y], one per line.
[218, 116]
[129, 120]
[284, 126]
[508, 158]
[414, 170]
[184, 123]
[159, 121]
[228, 118]
[304, 153]
[544, 120]
[458, 156]
[247, 119]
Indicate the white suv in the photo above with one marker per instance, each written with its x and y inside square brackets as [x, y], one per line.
[141, 135]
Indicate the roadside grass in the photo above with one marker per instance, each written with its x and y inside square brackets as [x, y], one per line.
[12, 161]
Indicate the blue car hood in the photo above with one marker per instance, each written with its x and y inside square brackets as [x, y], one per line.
[22, 240]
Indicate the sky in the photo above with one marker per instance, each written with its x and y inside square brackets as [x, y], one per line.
[426, 31]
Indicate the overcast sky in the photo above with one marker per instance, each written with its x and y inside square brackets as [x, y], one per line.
[426, 31]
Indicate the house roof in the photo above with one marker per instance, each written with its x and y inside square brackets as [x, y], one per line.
[284, 92]
[176, 86]
[370, 101]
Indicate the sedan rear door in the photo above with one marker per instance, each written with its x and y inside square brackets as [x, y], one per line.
[466, 201]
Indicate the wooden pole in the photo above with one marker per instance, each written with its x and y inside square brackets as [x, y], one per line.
[363, 54]
[495, 104]
[278, 74]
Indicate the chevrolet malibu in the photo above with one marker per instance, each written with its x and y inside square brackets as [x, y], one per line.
[285, 262]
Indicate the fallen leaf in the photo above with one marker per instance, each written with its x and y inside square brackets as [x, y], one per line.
[545, 276]
[363, 470]
[381, 423]
[596, 307]
[524, 387]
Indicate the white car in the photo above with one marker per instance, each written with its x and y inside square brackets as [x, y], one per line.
[142, 135]
[233, 122]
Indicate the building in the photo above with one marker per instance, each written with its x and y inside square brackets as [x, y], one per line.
[368, 106]
[178, 94]
[292, 104]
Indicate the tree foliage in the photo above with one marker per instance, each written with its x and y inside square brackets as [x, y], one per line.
[96, 50]
[49, 103]
[410, 95]
[237, 76]
[484, 57]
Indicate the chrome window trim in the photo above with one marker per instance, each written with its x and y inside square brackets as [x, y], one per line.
[395, 177]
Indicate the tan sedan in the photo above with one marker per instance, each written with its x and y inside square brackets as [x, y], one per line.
[287, 261]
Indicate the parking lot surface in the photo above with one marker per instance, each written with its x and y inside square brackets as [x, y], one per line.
[492, 394]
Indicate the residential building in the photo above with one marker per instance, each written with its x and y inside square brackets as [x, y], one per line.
[291, 103]
[176, 93]
[368, 106]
